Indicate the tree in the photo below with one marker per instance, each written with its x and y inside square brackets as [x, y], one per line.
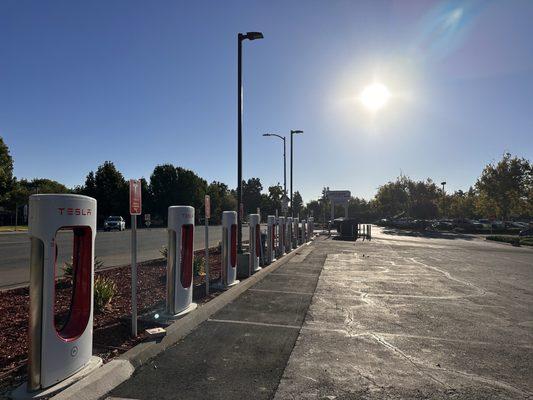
[506, 186]
[221, 200]
[423, 198]
[164, 189]
[110, 190]
[392, 198]
[191, 190]
[297, 203]
[251, 195]
[6, 170]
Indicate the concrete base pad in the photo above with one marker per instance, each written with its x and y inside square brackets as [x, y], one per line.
[22, 391]
[182, 313]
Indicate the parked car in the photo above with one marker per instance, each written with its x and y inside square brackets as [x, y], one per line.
[114, 222]
[526, 232]
[485, 223]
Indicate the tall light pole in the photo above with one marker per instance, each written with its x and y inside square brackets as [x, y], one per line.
[293, 132]
[284, 162]
[443, 199]
[240, 38]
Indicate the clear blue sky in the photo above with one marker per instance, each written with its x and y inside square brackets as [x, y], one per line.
[144, 83]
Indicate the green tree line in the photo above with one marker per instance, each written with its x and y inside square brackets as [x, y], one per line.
[503, 190]
[167, 185]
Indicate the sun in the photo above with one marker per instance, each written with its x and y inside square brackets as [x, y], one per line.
[375, 96]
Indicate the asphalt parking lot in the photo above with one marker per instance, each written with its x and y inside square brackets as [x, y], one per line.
[400, 317]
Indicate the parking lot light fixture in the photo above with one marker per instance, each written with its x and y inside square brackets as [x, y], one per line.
[284, 162]
[240, 38]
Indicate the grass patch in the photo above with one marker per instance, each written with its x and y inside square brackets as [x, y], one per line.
[514, 240]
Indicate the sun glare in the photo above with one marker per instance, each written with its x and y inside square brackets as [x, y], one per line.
[375, 96]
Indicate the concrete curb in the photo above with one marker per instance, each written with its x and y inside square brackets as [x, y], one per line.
[112, 374]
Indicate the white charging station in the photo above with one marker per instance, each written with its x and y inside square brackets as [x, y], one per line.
[229, 250]
[271, 238]
[282, 235]
[255, 242]
[310, 228]
[295, 237]
[180, 261]
[304, 231]
[289, 241]
[59, 354]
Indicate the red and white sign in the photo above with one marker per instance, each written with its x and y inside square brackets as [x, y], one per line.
[135, 197]
[207, 203]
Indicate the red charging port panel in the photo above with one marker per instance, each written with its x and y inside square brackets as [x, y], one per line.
[257, 241]
[233, 250]
[80, 304]
[186, 255]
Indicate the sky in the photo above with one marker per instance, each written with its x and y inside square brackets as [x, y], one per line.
[146, 83]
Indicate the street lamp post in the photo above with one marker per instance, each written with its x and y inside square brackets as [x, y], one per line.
[293, 132]
[443, 199]
[240, 38]
[284, 163]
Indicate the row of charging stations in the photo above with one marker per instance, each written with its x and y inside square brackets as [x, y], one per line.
[57, 353]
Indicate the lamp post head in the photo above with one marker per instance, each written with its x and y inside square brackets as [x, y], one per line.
[443, 183]
[293, 132]
[251, 36]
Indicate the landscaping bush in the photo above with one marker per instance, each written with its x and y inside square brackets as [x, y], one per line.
[514, 240]
[164, 251]
[68, 270]
[199, 266]
[527, 241]
[104, 291]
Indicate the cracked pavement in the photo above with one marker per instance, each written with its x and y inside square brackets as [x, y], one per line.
[414, 317]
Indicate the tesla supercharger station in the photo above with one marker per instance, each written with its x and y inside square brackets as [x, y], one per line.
[229, 249]
[255, 242]
[271, 238]
[295, 239]
[59, 351]
[290, 224]
[180, 260]
[310, 228]
[303, 231]
[282, 234]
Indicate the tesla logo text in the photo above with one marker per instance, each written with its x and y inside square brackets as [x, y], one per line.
[74, 211]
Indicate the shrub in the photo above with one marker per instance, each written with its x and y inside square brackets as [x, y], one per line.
[514, 240]
[104, 291]
[199, 266]
[68, 271]
[527, 241]
[164, 251]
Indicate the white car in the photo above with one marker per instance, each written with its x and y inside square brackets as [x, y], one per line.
[114, 222]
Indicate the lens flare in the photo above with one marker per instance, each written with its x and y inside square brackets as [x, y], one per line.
[375, 96]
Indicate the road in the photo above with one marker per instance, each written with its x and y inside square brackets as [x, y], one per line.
[113, 248]
[405, 316]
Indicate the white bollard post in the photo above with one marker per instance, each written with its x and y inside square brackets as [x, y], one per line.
[180, 255]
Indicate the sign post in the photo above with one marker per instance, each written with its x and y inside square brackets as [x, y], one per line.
[135, 209]
[207, 203]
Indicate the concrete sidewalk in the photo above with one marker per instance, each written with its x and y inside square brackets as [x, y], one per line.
[241, 352]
